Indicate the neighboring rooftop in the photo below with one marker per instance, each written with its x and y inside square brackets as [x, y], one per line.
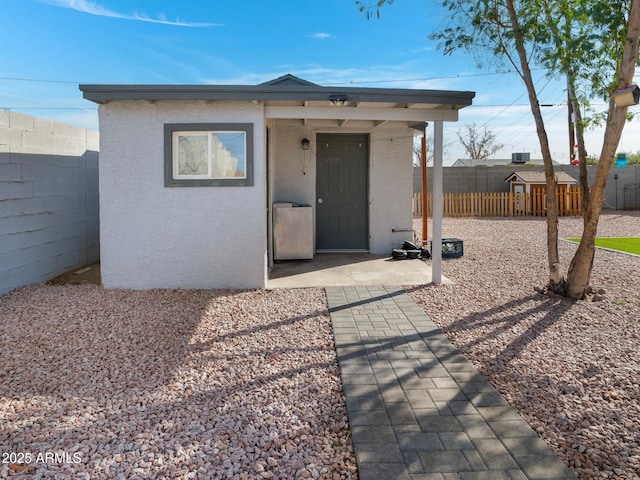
[539, 177]
[517, 159]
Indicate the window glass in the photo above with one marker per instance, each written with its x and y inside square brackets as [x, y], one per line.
[228, 154]
[211, 154]
[193, 155]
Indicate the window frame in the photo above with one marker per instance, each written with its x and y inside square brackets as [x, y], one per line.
[194, 128]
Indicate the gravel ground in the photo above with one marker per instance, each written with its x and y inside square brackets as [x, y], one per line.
[245, 384]
[571, 369]
[170, 384]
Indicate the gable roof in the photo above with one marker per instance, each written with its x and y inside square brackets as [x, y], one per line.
[538, 177]
[289, 79]
[292, 97]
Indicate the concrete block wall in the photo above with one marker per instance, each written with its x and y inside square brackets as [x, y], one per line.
[623, 193]
[49, 209]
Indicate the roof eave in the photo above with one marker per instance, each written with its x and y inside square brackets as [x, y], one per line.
[106, 93]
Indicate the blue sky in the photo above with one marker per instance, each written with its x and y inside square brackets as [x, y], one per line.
[50, 46]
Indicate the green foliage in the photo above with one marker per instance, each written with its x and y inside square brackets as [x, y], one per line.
[633, 158]
[478, 28]
[369, 10]
[583, 39]
[593, 44]
[580, 38]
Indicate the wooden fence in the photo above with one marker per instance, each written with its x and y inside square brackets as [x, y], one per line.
[502, 204]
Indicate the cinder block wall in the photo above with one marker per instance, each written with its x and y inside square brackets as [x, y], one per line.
[49, 211]
[621, 193]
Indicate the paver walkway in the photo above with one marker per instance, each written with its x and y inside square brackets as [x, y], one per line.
[417, 408]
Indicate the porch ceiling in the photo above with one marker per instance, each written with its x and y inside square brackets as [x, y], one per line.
[364, 104]
[361, 111]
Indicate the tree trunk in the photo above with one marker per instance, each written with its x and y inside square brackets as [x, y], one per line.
[556, 279]
[579, 273]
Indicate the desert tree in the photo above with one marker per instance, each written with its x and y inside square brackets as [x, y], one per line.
[593, 44]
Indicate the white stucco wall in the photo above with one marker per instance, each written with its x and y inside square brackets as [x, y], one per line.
[187, 237]
[390, 176]
[294, 170]
[391, 188]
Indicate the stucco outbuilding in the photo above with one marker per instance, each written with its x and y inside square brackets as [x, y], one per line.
[189, 174]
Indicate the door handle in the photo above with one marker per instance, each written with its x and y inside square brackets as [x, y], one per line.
[320, 200]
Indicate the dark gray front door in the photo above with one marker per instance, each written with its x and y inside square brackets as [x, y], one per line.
[341, 192]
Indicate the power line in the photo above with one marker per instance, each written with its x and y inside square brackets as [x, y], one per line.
[515, 136]
[39, 80]
[48, 108]
[426, 79]
[351, 82]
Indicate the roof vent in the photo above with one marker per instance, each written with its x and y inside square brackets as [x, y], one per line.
[520, 157]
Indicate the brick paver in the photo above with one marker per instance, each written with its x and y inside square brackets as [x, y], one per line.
[418, 410]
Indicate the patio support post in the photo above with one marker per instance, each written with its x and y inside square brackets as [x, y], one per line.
[425, 200]
[436, 244]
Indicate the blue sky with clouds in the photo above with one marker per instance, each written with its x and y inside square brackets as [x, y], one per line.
[50, 46]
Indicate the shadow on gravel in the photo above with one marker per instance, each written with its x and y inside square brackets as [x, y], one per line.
[511, 316]
[81, 340]
[161, 383]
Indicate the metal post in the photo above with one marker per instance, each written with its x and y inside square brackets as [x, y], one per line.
[572, 127]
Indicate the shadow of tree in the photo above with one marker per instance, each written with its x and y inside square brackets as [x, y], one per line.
[407, 380]
[157, 384]
[509, 317]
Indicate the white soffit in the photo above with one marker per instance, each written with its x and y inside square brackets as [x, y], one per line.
[361, 113]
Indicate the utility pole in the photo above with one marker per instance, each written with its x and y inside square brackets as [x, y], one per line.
[572, 131]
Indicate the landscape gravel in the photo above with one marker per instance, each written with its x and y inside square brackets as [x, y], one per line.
[570, 368]
[178, 384]
[106, 384]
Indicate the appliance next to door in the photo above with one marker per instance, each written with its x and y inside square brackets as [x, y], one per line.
[292, 231]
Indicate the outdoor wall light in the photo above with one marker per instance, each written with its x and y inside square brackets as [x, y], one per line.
[338, 100]
[305, 144]
[627, 96]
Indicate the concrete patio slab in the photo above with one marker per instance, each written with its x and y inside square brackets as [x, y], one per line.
[349, 269]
